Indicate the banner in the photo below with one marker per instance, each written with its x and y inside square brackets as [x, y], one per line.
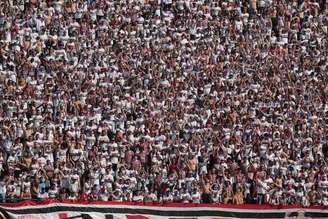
[118, 210]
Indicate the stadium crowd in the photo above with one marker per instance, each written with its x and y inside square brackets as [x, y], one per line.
[203, 101]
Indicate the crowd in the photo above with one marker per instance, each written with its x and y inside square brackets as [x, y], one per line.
[202, 101]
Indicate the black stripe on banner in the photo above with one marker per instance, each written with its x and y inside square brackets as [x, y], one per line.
[168, 213]
[316, 215]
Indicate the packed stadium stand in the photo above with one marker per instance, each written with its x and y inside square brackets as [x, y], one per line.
[184, 101]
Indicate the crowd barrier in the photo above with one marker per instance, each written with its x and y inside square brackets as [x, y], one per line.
[51, 209]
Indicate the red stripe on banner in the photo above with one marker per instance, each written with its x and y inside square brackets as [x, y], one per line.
[157, 204]
[62, 216]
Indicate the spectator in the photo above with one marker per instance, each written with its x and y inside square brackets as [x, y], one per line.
[3, 191]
